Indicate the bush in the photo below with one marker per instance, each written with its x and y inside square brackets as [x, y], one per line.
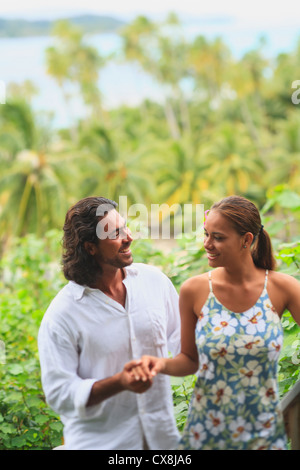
[29, 280]
[30, 277]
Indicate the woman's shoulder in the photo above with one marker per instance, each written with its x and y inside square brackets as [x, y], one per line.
[196, 285]
[282, 280]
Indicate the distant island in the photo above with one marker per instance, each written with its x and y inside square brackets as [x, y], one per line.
[88, 23]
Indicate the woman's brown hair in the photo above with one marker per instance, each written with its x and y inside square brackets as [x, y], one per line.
[245, 217]
[80, 226]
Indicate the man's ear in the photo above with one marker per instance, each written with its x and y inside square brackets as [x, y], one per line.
[90, 248]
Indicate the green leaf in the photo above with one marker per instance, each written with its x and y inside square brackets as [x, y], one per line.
[41, 419]
[289, 200]
[15, 369]
[19, 441]
[56, 426]
[7, 428]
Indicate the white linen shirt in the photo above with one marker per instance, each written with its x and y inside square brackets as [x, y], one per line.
[87, 336]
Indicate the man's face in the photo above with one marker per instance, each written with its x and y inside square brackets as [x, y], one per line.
[113, 248]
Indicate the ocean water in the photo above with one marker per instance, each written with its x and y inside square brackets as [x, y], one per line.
[120, 82]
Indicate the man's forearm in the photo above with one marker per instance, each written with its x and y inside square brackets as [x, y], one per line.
[125, 380]
[104, 389]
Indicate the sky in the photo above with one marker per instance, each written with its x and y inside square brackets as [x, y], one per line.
[241, 24]
[258, 12]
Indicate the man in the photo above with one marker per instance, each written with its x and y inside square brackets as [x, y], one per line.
[110, 313]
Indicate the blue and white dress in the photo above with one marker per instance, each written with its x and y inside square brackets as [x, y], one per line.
[235, 402]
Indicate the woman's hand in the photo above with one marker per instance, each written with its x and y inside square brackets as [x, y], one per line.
[148, 367]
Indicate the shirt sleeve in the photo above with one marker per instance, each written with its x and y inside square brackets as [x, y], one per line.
[173, 319]
[65, 391]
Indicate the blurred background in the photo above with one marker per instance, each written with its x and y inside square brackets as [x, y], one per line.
[162, 102]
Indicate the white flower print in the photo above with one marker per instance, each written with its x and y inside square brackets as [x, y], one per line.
[273, 317]
[259, 444]
[268, 392]
[221, 444]
[250, 373]
[215, 422]
[273, 323]
[267, 304]
[280, 444]
[253, 321]
[200, 340]
[197, 435]
[222, 352]
[200, 399]
[202, 320]
[203, 316]
[224, 324]
[241, 397]
[206, 368]
[235, 400]
[221, 392]
[276, 345]
[240, 429]
[249, 344]
[271, 314]
[265, 423]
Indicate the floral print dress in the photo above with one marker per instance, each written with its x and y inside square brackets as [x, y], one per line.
[235, 401]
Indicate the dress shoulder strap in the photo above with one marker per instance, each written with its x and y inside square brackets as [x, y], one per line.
[266, 279]
[210, 282]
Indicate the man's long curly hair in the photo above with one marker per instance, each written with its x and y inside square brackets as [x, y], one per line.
[80, 227]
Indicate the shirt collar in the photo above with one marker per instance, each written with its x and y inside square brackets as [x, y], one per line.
[131, 270]
[79, 291]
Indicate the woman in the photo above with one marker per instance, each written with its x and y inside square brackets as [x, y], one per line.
[232, 335]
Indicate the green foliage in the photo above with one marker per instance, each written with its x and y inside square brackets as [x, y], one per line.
[182, 389]
[29, 280]
[223, 126]
[30, 277]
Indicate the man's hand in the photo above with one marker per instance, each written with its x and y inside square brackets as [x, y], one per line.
[125, 380]
[134, 379]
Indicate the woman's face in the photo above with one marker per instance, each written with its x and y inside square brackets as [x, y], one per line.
[224, 246]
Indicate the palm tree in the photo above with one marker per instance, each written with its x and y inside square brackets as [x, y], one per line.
[210, 62]
[284, 161]
[179, 172]
[36, 179]
[233, 163]
[164, 57]
[247, 79]
[113, 168]
[286, 69]
[72, 61]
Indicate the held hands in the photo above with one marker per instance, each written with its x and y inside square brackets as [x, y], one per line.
[148, 367]
[137, 375]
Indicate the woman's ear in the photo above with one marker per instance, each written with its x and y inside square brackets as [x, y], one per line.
[248, 239]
